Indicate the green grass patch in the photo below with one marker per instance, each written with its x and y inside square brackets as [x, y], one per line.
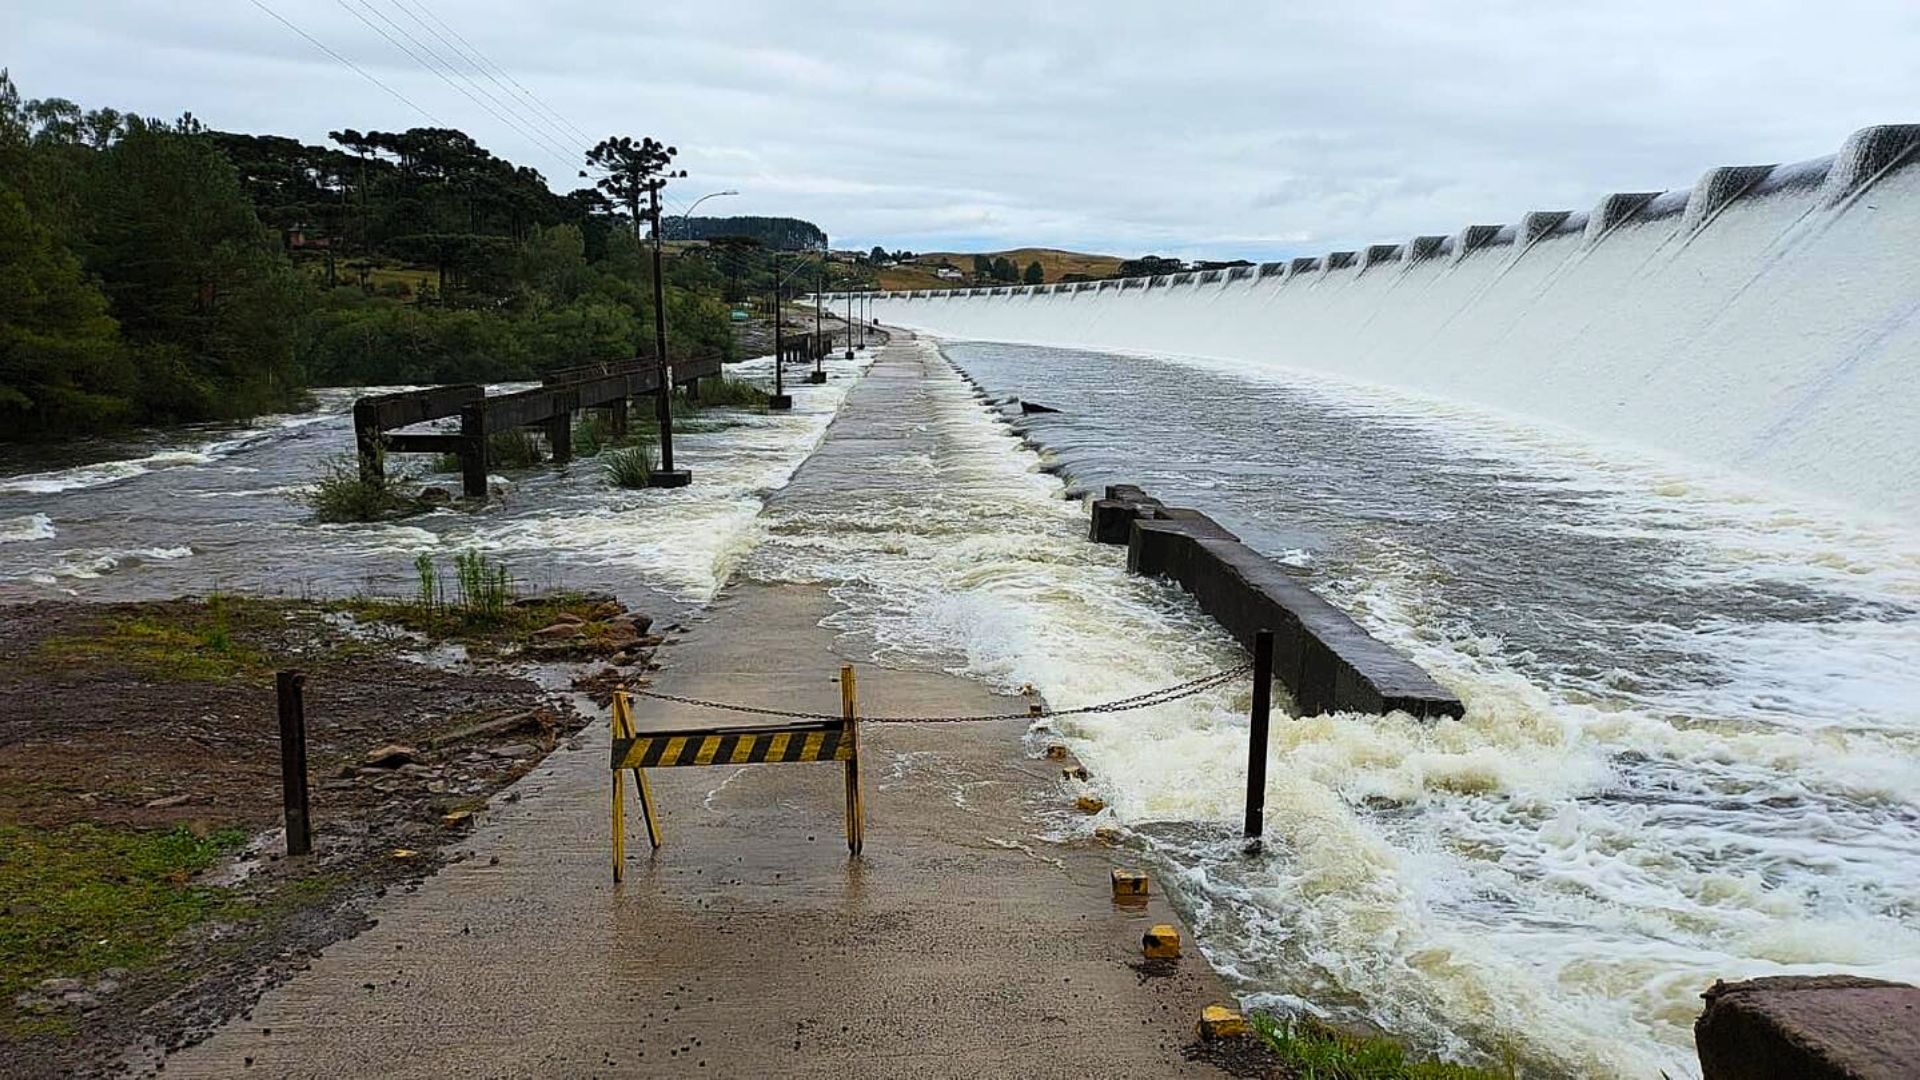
[192, 644]
[79, 900]
[1315, 1051]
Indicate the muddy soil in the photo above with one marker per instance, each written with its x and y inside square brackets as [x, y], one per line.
[115, 735]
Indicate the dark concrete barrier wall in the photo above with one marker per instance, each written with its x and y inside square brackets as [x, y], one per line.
[1326, 660]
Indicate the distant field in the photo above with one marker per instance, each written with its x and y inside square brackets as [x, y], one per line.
[1057, 264]
[913, 277]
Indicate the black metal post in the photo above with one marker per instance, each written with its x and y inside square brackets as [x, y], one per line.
[849, 322]
[1257, 734]
[293, 760]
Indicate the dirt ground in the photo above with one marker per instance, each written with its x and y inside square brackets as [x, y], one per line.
[152, 727]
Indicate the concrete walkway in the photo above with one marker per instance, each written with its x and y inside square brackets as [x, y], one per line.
[750, 945]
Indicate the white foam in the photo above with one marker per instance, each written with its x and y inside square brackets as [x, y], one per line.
[25, 528]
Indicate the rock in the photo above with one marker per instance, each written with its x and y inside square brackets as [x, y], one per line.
[515, 750]
[401, 854]
[456, 819]
[106, 986]
[80, 999]
[1089, 804]
[557, 632]
[608, 609]
[651, 641]
[641, 623]
[568, 617]
[617, 641]
[1057, 752]
[620, 659]
[435, 496]
[391, 756]
[59, 986]
[168, 802]
[436, 787]
[1809, 1027]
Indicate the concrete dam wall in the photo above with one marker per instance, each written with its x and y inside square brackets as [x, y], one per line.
[1767, 319]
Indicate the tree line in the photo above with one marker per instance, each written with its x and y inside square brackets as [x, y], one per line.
[156, 271]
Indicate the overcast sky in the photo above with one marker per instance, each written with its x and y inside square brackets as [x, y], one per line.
[1126, 126]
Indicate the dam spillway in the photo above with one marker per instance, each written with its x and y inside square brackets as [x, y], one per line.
[1765, 320]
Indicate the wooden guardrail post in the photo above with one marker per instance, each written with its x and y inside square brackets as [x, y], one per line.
[293, 760]
[473, 450]
[1257, 735]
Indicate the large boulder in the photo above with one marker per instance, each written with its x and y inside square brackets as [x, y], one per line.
[1809, 1027]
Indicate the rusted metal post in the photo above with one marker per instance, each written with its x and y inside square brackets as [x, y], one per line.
[293, 760]
[1257, 740]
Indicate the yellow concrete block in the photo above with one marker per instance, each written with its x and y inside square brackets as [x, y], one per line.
[1129, 882]
[1219, 1022]
[1075, 772]
[1161, 942]
[1090, 804]
[1057, 752]
[1108, 834]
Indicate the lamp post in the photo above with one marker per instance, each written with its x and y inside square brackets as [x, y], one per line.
[819, 372]
[781, 401]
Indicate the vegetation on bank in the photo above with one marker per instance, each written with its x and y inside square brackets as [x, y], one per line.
[202, 645]
[156, 271]
[1315, 1051]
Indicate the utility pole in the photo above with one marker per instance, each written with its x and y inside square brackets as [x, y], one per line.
[666, 475]
[781, 401]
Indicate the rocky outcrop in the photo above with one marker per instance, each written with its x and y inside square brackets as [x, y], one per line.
[1818, 1027]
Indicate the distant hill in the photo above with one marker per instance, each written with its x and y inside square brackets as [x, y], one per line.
[783, 233]
[1054, 262]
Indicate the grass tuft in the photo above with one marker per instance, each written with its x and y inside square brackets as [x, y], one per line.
[630, 468]
[1316, 1051]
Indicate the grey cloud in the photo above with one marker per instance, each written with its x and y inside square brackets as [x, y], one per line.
[1204, 127]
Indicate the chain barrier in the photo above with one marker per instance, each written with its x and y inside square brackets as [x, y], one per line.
[1163, 696]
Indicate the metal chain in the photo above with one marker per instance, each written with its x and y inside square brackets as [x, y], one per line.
[1163, 696]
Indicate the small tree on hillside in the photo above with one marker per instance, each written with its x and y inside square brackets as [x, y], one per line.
[1035, 274]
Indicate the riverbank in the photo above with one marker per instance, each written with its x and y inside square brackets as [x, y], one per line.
[146, 896]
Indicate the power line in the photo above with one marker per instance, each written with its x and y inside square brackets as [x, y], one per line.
[535, 139]
[535, 123]
[482, 62]
[363, 73]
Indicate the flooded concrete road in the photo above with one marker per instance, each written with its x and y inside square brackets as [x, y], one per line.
[961, 944]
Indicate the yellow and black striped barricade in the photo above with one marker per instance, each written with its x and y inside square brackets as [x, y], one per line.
[791, 741]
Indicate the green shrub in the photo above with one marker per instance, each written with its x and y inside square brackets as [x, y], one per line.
[631, 467]
[728, 392]
[339, 494]
[514, 448]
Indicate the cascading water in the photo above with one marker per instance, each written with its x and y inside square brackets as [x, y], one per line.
[1767, 320]
[1636, 484]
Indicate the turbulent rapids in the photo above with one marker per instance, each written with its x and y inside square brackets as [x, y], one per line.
[1638, 485]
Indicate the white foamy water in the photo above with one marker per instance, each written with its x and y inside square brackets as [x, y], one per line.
[26, 527]
[1730, 787]
[1776, 334]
